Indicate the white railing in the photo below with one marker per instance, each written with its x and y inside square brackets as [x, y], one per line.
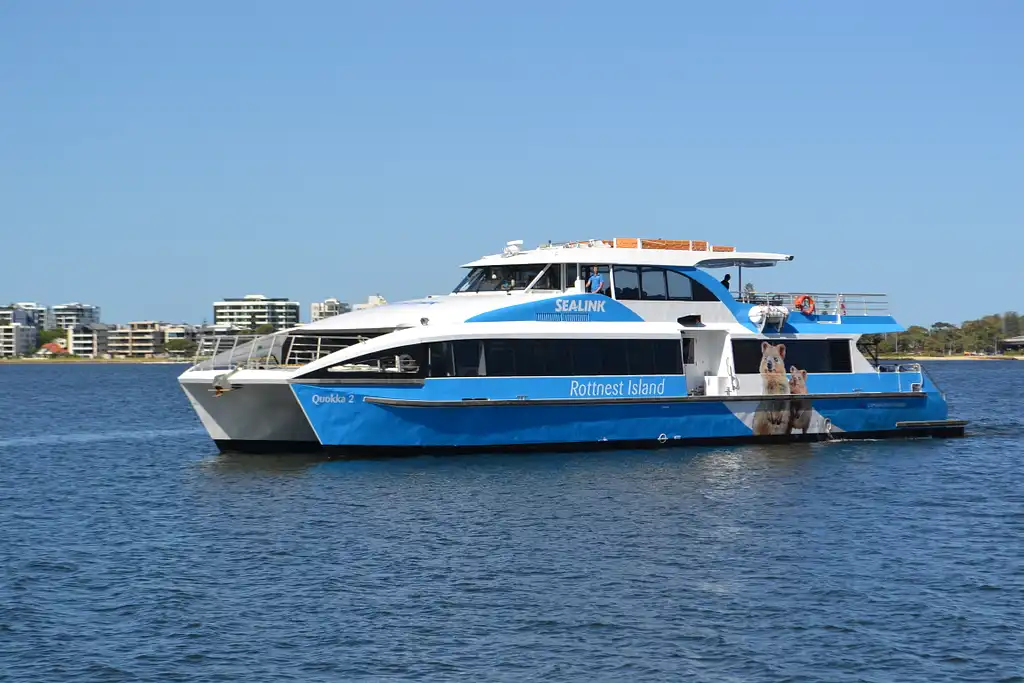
[264, 352]
[824, 303]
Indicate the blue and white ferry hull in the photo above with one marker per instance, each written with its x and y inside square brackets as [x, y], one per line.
[549, 416]
[613, 343]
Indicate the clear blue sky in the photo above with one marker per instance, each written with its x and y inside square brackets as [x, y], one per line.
[156, 156]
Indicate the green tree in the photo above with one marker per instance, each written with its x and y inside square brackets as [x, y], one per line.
[1012, 324]
[47, 336]
[184, 347]
[265, 329]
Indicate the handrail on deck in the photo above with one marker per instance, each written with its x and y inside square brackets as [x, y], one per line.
[825, 303]
[277, 350]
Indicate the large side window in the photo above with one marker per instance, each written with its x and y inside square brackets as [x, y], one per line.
[582, 357]
[627, 283]
[680, 287]
[812, 355]
[467, 354]
[652, 284]
[440, 359]
[501, 357]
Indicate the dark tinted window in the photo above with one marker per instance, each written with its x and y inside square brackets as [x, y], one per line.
[467, 357]
[501, 357]
[688, 357]
[652, 284]
[550, 278]
[627, 283]
[502, 278]
[812, 355]
[581, 357]
[680, 287]
[519, 358]
[440, 360]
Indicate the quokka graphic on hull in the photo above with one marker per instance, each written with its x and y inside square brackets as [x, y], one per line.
[800, 409]
[781, 412]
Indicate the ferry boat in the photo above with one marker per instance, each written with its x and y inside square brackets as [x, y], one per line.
[522, 355]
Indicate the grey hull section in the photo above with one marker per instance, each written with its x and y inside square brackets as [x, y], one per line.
[251, 412]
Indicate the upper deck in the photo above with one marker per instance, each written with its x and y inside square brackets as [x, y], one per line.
[632, 251]
[655, 281]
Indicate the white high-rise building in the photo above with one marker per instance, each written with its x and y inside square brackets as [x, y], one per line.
[327, 308]
[70, 316]
[253, 310]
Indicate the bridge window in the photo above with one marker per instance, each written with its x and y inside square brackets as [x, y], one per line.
[550, 277]
[812, 355]
[503, 278]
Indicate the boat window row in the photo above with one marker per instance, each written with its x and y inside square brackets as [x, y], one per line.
[628, 283]
[520, 358]
[812, 355]
[651, 283]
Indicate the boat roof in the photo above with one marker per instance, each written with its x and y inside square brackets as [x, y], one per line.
[632, 251]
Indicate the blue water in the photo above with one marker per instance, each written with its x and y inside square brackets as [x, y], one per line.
[130, 550]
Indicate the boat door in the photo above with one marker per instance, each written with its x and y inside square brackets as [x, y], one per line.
[694, 374]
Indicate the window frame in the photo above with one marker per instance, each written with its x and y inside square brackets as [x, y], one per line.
[842, 365]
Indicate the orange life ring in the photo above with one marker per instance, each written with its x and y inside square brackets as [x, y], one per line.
[804, 303]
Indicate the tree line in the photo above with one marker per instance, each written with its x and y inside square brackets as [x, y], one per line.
[946, 339]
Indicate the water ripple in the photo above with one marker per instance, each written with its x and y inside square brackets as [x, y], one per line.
[129, 550]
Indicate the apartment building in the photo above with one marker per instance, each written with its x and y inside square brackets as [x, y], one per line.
[182, 331]
[70, 316]
[41, 317]
[17, 339]
[327, 308]
[253, 310]
[143, 339]
[91, 340]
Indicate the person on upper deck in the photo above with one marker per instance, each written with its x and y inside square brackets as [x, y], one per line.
[596, 283]
[725, 281]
